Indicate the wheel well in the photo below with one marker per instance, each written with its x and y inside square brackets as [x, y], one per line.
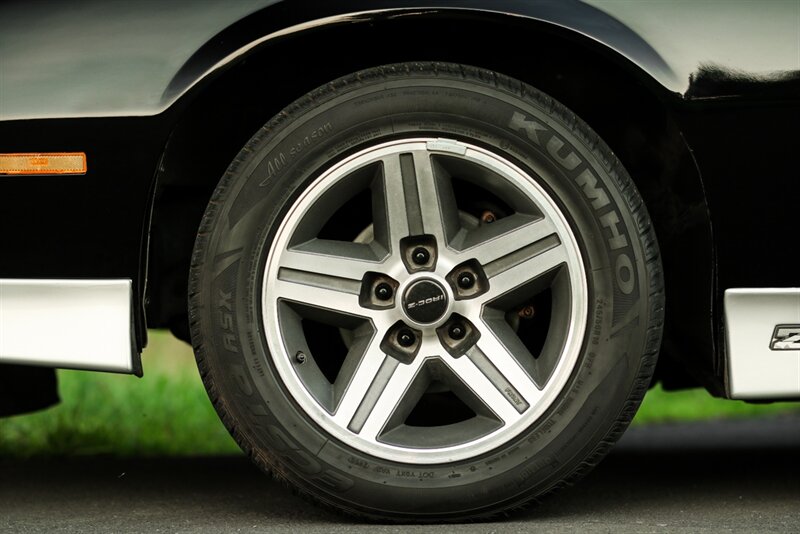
[626, 108]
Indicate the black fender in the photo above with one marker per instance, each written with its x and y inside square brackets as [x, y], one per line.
[655, 153]
[289, 19]
[100, 59]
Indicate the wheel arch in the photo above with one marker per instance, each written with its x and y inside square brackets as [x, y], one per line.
[281, 20]
[628, 108]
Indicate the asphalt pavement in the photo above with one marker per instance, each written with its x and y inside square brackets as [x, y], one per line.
[730, 476]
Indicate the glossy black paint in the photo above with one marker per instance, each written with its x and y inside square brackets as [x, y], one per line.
[747, 151]
[115, 58]
[714, 150]
[81, 226]
[570, 16]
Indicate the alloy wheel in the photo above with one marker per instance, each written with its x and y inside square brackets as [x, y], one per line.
[456, 326]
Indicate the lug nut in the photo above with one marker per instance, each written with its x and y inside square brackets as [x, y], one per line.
[421, 256]
[527, 312]
[457, 331]
[466, 280]
[488, 217]
[383, 291]
[406, 338]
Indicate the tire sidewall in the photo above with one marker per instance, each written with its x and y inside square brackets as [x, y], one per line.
[273, 170]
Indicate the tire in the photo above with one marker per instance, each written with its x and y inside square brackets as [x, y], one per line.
[426, 292]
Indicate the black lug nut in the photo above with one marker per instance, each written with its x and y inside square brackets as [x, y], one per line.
[421, 256]
[383, 291]
[466, 280]
[457, 331]
[406, 338]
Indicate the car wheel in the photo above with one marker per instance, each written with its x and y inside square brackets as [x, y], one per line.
[425, 292]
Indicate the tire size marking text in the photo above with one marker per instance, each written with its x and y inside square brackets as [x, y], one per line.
[277, 163]
[307, 141]
[413, 474]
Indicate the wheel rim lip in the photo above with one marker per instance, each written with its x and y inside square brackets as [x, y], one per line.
[281, 357]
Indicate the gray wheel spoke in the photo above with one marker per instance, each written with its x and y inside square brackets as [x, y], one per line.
[392, 198]
[318, 291]
[436, 199]
[418, 197]
[486, 384]
[343, 267]
[509, 370]
[390, 392]
[519, 268]
[510, 238]
[367, 382]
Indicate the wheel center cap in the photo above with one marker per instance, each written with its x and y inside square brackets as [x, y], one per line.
[425, 301]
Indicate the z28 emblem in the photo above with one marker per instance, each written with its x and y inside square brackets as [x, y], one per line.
[786, 337]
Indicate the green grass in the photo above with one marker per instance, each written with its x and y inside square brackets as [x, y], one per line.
[168, 413]
[661, 406]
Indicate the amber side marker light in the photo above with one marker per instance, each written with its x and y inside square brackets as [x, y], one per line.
[43, 163]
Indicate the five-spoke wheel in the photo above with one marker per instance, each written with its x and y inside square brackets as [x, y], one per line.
[426, 292]
[427, 300]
